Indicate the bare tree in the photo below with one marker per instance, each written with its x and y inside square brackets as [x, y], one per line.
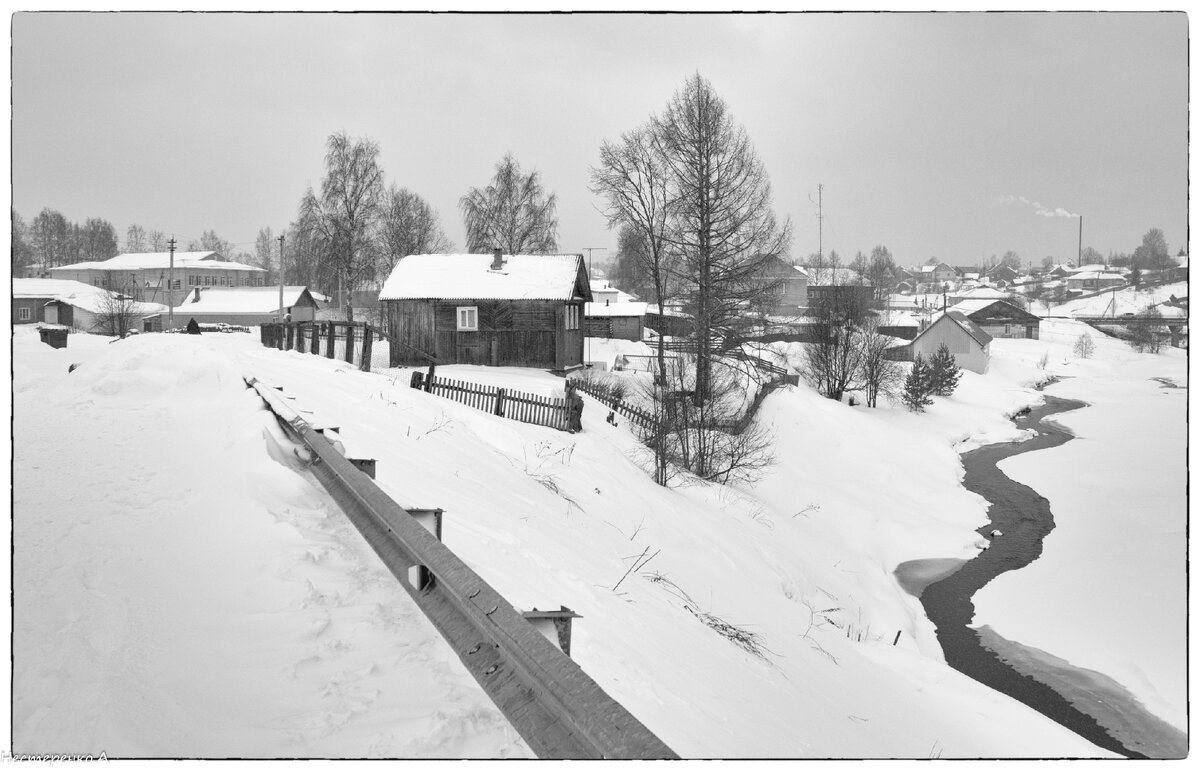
[881, 272]
[512, 214]
[211, 242]
[719, 219]
[1147, 337]
[346, 213]
[22, 250]
[157, 241]
[632, 178]
[117, 315]
[409, 225]
[878, 373]
[833, 363]
[135, 239]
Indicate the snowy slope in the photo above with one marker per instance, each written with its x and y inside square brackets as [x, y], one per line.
[297, 619]
[182, 590]
[1111, 583]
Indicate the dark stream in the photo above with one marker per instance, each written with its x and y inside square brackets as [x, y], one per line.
[1078, 697]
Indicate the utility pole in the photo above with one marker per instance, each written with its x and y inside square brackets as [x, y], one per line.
[171, 285]
[280, 277]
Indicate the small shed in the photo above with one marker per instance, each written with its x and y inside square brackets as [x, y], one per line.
[245, 306]
[621, 320]
[519, 310]
[1000, 318]
[963, 337]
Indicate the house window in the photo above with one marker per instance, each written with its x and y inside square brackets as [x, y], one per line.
[24, 314]
[468, 319]
[176, 283]
[572, 317]
[191, 280]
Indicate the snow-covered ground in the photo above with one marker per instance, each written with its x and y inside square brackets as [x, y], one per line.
[1111, 581]
[184, 589]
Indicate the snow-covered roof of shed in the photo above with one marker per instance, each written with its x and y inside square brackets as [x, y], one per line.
[143, 260]
[615, 309]
[470, 277]
[1089, 275]
[245, 300]
[98, 302]
[51, 287]
[970, 327]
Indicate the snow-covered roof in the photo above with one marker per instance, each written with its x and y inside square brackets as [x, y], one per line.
[244, 300]
[98, 302]
[615, 309]
[899, 319]
[144, 260]
[1095, 267]
[469, 276]
[901, 302]
[51, 287]
[1092, 275]
[972, 329]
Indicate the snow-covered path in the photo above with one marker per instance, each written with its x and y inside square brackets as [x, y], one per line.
[181, 590]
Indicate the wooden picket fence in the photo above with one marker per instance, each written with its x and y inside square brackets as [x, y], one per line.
[514, 405]
[637, 416]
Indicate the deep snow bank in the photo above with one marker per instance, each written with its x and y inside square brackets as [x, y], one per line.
[182, 589]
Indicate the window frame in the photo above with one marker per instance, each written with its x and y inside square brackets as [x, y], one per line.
[469, 313]
[25, 313]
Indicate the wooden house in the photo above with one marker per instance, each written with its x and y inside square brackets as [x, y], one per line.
[31, 295]
[963, 337]
[1000, 318]
[519, 310]
[247, 307]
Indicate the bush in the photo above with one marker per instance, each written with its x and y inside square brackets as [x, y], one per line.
[944, 373]
[918, 386]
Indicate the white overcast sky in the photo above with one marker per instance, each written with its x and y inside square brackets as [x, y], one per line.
[938, 135]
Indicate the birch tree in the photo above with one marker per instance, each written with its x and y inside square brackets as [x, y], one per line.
[513, 213]
[409, 225]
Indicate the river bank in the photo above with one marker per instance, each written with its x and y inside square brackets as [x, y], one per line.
[1090, 703]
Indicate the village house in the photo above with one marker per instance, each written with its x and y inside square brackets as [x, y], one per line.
[1000, 318]
[1002, 275]
[963, 337]
[30, 296]
[144, 276]
[791, 284]
[519, 310]
[1092, 281]
[96, 311]
[249, 306]
[941, 273]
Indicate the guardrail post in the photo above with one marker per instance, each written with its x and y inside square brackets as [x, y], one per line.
[554, 625]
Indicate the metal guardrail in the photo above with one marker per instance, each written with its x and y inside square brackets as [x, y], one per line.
[557, 709]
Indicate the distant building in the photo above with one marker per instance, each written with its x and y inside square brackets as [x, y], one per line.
[248, 306]
[31, 295]
[144, 276]
[1090, 281]
[613, 313]
[963, 337]
[1000, 318]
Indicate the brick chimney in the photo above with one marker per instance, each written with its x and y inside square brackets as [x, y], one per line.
[497, 259]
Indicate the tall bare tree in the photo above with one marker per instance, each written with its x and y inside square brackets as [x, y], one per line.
[157, 241]
[22, 250]
[98, 240]
[633, 180]
[720, 218]
[346, 213]
[409, 225]
[50, 236]
[513, 213]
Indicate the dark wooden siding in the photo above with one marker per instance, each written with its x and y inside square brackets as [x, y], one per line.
[519, 333]
[411, 325]
[36, 308]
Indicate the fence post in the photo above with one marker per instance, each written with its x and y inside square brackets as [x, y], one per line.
[301, 343]
[366, 350]
[500, 394]
[350, 344]
[415, 382]
[291, 334]
[331, 340]
[316, 339]
[429, 377]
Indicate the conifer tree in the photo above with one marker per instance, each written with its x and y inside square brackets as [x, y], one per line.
[944, 372]
[917, 386]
